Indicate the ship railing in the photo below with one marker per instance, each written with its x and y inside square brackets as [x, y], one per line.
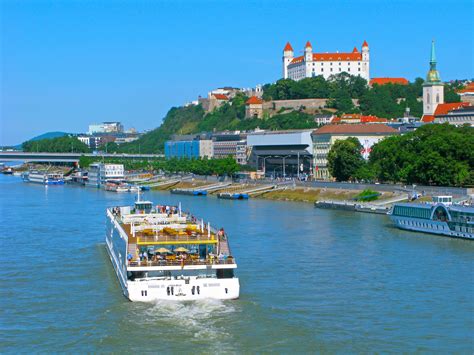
[187, 262]
[173, 239]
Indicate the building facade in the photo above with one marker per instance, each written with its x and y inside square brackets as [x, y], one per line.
[281, 153]
[191, 147]
[230, 144]
[254, 107]
[326, 64]
[324, 137]
[100, 173]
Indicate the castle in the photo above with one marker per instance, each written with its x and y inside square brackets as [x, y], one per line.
[326, 64]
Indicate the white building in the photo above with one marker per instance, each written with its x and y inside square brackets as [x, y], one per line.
[100, 173]
[106, 127]
[326, 64]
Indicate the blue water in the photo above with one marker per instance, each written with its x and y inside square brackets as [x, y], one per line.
[311, 280]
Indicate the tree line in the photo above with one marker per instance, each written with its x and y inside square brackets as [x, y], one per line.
[436, 154]
[225, 166]
[66, 144]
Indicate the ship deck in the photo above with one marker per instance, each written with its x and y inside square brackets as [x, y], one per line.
[172, 234]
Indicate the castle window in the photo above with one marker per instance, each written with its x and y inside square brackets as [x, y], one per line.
[428, 97]
[339, 69]
[339, 63]
[437, 98]
[359, 69]
[331, 63]
[331, 69]
[322, 69]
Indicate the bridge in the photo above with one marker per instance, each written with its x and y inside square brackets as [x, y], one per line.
[44, 157]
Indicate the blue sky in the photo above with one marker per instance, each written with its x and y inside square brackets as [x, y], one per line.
[66, 64]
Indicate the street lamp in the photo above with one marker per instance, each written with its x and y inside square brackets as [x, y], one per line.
[286, 156]
[264, 165]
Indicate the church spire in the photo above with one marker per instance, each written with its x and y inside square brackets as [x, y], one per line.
[433, 74]
[433, 54]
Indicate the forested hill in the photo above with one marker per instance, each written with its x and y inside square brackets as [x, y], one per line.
[387, 101]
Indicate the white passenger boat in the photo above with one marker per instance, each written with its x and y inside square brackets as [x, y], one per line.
[440, 217]
[161, 253]
[43, 177]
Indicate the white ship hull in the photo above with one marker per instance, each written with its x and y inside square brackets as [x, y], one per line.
[428, 226]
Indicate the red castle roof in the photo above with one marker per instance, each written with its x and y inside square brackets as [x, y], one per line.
[365, 44]
[288, 47]
[331, 57]
[383, 81]
[254, 100]
[308, 44]
[220, 96]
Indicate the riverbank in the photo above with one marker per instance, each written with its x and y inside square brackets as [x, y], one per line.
[293, 194]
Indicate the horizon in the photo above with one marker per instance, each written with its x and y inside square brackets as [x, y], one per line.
[68, 65]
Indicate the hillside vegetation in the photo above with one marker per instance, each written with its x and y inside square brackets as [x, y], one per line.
[387, 101]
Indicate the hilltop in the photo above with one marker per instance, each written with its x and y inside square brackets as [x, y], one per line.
[387, 101]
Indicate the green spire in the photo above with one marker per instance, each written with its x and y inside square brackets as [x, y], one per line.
[433, 55]
[433, 75]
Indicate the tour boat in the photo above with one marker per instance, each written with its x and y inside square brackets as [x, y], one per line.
[43, 177]
[161, 253]
[441, 217]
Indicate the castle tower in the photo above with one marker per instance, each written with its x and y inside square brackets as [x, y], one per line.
[433, 89]
[365, 61]
[308, 52]
[288, 55]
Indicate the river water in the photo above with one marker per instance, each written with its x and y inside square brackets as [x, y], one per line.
[311, 280]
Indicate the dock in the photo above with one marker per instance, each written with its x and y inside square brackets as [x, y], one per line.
[243, 192]
[353, 206]
[200, 191]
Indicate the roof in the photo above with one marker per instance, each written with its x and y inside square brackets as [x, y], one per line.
[330, 57]
[254, 100]
[288, 47]
[469, 88]
[356, 129]
[372, 119]
[443, 109]
[355, 50]
[308, 44]
[383, 81]
[365, 44]
[220, 96]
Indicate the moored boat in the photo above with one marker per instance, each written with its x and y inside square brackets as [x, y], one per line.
[43, 177]
[442, 218]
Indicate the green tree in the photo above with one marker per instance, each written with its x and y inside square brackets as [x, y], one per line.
[66, 144]
[345, 159]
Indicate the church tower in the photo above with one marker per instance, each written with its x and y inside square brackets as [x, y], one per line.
[433, 89]
[288, 55]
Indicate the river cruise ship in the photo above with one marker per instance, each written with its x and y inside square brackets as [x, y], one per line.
[159, 252]
[45, 178]
[435, 218]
